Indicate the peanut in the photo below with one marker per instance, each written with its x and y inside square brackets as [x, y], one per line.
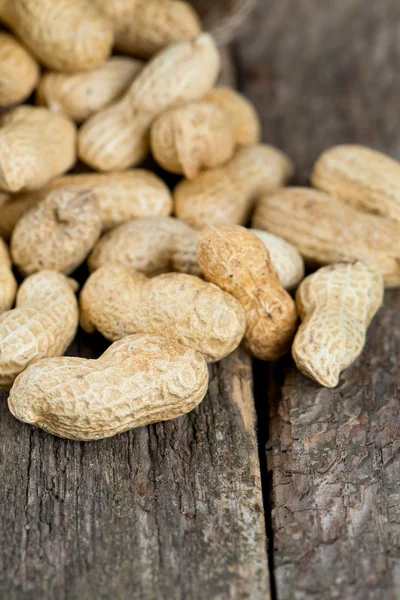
[243, 118]
[191, 138]
[121, 197]
[144, 27]
[287, 261]
[58, 233]
[226, 195]
[35, 146]
[19, 71]
[65, 35]
[139, 380]
[237, 261]
[80, 95]
[8, 284]
[336, 304]
[43, 323]
[364, 178]
[151, 245]
[118, 302]
[326, 230]
[118, 136]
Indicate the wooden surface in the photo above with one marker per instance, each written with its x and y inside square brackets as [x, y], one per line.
[323, 73]
[175, 510]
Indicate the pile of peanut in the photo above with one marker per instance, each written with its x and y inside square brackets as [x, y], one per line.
[170, 292]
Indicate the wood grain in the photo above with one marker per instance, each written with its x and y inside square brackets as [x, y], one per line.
[323, 73]
[168, 511]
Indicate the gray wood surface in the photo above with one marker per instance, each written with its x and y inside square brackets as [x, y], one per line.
[323, 73]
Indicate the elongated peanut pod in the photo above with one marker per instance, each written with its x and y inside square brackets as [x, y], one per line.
[8, 284]
[287, 261]
[118, 136]
[144, 27]
[139, 380]
[80, 95]
[326, 230]
[237, 261]
[117, 302]
[336, 305]
[43, 323]
[226, 195]
[19, 71]
[67, 35]
[36, 145]
[364, 178]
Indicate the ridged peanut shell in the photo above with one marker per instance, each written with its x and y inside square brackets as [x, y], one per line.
[119, 136]
[237, 261]
[80, 95]
[151, 245]
[65, 35]
[243, 118]
[19, 71]
[226, 195]
[36, 145]
[191, 138]
[326, 230]
[58, 233]
[43, 323]
[8, 284]
[139, 380]
[364, 178]
[336, 305]
[287, 261]
[118, 302]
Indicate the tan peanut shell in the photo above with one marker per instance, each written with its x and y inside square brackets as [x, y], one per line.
[139, 380]
[243, 118]
[8, 284]
[336, 305]
[80, 95]
[19, 71]
[226, 195]
[287, 261]
[151, 245]
[58, 233]
[118, 302]
[326, 230]
[237, 261]
[121, 197]
[118, 136]
[144, 27]
[364, 178]
[190, 138]
[65, 35]
[42, 324]
[36, 145]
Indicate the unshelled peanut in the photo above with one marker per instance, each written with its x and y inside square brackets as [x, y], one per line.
[118, 136]
[8, 284]
[364, 178]
[151, 245]
[58, 233]
[336, 305]
[226, 195]
[65, 35]
[326, 230]
[237, 261]
[139, 380]
[43, 323]
[19, 71]
[36, 145]
[118, 302]
[287, 261]
[80, 95]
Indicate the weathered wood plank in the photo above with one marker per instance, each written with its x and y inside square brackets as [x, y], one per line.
[168, 511]
[323, 73]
